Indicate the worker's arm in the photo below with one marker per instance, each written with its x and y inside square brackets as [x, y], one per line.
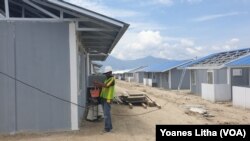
[111, 82]
[99, 84]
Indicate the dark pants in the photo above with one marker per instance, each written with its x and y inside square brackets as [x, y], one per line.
[107, 116]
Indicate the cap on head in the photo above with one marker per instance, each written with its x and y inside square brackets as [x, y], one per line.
[107, 69]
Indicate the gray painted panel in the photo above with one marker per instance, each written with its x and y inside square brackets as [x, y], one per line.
[201, 77]
[7, 85]
[241, 80]
[164, 80]
[83, 95]
[37, 112]
[7, 48]
[139, 77]
[175, 79]
[220, 76]
[43, 61]
[7, 105]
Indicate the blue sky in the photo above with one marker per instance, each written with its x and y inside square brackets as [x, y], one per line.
[177, 29]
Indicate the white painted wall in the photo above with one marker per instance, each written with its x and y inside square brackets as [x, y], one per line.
[208, 92]
[73, 76]
[130, 79]
[216, 92]
[145, 81]
[150, 82]
[223, 92]
[241, 97]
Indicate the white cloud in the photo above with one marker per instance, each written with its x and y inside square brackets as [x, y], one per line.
[191, 1]
[216, 16]
[152, 43]
[100, 7]
[163, 2]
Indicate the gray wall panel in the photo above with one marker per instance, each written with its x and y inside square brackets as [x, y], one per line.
[37, 112]
[241, 80]
[201, 77]
[7, 48]
[7, 105]
[175, 79]
[220, 76]
[186, 81]
[7, 85]
[43, 61]
[83, 95]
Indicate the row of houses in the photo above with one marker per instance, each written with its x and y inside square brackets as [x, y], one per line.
[48, 49]
[164, 75]
[223, 76]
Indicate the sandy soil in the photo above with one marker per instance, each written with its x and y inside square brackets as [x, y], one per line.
[138, 124]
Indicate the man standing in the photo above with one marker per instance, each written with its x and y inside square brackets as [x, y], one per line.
[107, 95]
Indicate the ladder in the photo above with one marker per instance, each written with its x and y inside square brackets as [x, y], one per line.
[182, 78]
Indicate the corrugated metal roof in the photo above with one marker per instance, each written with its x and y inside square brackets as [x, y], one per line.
[245, 61]
[139, 69]
[218, 59]
[165, 66]
[121, 71]
[98, 34]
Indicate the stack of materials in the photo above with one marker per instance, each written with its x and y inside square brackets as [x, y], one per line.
[137, 98]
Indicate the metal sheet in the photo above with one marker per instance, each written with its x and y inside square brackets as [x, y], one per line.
[7, 85]
[43, 61]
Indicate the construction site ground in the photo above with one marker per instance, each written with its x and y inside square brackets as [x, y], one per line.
[138, 124]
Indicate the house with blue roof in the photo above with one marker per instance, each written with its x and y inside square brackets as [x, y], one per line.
[137, 74]
[167, 75]
[213, 76]
[241, 94]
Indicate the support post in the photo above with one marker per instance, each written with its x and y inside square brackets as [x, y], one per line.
[7, 12]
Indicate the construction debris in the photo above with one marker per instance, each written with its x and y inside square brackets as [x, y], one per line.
[137, 98]
[197, 109]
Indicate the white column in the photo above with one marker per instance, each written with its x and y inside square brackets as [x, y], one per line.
[249, 75]
[7, 13]
[88, 65]
[73, 76]
[169, 79]
[229, 76]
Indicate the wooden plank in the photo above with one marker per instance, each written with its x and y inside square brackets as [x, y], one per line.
[130, 105]
[144, 105]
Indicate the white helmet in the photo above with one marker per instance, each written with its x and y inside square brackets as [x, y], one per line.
[107, 69]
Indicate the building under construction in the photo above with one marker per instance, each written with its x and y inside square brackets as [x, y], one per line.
[46, 50]
[212, 76]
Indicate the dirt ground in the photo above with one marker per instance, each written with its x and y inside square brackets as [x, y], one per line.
[138, 124]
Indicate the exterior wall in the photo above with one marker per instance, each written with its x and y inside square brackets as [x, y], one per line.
[128, 76]
[138, 77]
[175, 79]
[42, 60]
[147, 78]
[82, 94]
[200, 77]
[7, 85]
[157, 79]
[162, 80]
[241, 97]
[241, 80]
[216, 92]
[220, 76]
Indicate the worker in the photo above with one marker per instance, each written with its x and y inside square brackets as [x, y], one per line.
[106, 96]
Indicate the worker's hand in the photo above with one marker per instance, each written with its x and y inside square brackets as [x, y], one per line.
[108, 101]
[96, 83]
